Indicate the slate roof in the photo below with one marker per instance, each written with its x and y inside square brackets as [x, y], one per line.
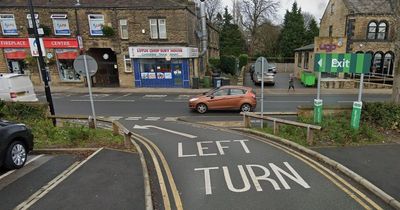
[98, 3]
[309, 47]
[370, 6]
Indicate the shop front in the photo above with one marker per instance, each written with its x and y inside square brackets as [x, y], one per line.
[162, 67]
[14, 50]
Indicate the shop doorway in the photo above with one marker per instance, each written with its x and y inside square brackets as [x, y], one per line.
[107, 74]
[16, 66]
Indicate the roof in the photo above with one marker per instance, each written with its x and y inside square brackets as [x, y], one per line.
[98, 3]
[309, 47]
[370, 6]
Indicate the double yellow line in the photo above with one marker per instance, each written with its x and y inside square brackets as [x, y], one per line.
[154, 151]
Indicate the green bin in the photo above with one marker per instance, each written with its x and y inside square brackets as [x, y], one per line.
[308, 79]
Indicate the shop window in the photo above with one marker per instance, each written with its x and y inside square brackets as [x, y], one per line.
[158, 28]
[306, 59]
[96, 23]
[127, 63]
[30, 25]
[372, 29]
[65, 64]
[382, 29]
[8, 25]
[60, 24]
[123, 25]
[16, 66]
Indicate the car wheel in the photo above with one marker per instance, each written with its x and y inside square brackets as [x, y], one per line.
[201, 108]
[246, 108]
[16, 155]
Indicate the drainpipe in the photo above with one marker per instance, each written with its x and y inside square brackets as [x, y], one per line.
[204, 35]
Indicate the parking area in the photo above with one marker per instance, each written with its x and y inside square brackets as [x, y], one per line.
[281, 81]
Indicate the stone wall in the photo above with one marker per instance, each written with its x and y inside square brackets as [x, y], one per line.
[337, 19]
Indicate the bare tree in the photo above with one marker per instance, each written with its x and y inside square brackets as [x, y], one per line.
[396, 76]
[255, 13]
[307, 19]
[212, 9]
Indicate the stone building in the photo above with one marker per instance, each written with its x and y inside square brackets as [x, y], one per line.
[360, 26]
[136, 43]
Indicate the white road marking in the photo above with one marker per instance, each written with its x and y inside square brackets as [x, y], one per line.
[288, 101]
[169, 119]
[123, 96]
[164, 129]
[184, 96]
[152, 118]
[176, 101]
[96, 95]
[133, 118]
[115, 117]
[154, 96]
[99, 100]
[30, 161]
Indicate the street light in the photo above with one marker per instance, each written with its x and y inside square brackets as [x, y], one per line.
[42, 64]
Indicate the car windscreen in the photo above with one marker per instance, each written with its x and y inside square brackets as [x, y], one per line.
[18, 81]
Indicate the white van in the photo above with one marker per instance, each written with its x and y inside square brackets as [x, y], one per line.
[16, 87]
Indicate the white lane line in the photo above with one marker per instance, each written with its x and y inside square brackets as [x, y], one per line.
[287, 101]
[99, 100]
[53, 183]
[115, 117]
[176, 101]
[164, 129]
[154, 96]
[30, 161]
[171, 119]
[152, 118]
[133, 118]
[97, 95]
[184, 96]
[123, 96]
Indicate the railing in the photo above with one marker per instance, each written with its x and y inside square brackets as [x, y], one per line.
[276, 122]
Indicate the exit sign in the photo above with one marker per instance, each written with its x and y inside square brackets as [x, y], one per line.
[347, 63]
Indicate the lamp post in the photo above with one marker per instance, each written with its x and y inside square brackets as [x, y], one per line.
[42, 64]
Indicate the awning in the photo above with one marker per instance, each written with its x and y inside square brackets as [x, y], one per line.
[17, 55]
[70, 55]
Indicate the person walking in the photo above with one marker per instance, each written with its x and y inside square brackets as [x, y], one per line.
[291, 82]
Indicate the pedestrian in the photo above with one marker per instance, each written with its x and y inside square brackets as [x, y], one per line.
[291, 82]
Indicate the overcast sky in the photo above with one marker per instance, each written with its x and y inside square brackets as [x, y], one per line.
[315, 7]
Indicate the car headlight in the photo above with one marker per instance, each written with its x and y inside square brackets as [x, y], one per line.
[193, 99]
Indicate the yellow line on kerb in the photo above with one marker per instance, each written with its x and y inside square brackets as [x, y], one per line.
[314, 165]
[177, 198]
[163, 188]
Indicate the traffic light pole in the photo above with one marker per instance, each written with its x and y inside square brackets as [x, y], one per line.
[42, 64]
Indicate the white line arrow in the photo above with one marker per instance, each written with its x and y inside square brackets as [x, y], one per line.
[320, 63]
[164, 129]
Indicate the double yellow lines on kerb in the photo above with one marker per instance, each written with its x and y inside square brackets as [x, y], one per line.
[154, 151]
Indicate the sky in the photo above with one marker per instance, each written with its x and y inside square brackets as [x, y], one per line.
[315, 7]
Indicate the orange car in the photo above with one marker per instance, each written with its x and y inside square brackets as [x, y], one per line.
[225, 98]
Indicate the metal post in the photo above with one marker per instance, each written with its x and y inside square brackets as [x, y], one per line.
[361, 87]
[319, 86]
[42, 64]
[262, 93]
[90, 90]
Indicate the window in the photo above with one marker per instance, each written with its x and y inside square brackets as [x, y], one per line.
[158, 28]
[236, 92]
[127, 63]
[299, 59]
[372, 29]
[8, 26]
[96, 23]
[388, 64]
[306, 59]
[223, 92]
[123, 25]
[377, 63]
[382, 31]
[30, 21]
[330, 31]
[60, 24]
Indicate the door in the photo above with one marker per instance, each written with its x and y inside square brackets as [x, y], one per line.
[218, 100]
[236, 97]
[177, 72]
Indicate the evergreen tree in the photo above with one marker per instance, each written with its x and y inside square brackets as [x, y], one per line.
[311, 32]
[293, 32]
[231, 38]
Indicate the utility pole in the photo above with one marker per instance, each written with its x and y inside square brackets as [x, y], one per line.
[42, 64]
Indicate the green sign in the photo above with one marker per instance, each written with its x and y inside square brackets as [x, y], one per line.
[347, 63]
[317, 111]
[356, 115]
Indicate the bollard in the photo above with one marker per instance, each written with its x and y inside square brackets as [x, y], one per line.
[91, 122]
[309, 136]
[127, 139]
[115, 128]
[246, 121]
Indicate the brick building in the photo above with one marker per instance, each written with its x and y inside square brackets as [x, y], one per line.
[136, 43]
[360, 26]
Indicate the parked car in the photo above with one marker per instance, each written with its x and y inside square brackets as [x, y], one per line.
[269, 78]
[16, 141]
[225, 98]
[271, 68]
[16, 87]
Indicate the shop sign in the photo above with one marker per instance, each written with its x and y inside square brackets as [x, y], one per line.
[34, 48]
[60, 43]
[163, 52]
[9, 27]
[61, 27]
[14, 43]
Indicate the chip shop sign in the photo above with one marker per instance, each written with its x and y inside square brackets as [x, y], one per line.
[163, 52]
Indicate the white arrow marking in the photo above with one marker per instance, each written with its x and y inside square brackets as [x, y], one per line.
[320, 63]
[164, 129]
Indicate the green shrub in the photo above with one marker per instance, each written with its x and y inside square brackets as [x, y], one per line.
[228, 64]
[215, 63]
[22, 111]
[243, 60]
[108, 31]
[384, 115]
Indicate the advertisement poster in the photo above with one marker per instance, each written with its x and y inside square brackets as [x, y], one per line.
[96, 27]
[160, 75]
[168, 75]
[34, 47]
[61, 27]
[152, 75]
[9, 27]
[145, 75]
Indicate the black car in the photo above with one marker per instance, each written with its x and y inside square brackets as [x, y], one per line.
[16, 141]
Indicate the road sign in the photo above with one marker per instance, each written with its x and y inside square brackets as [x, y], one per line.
[79, 65]
[261, 66]
[317, 111]
[258, 65]
[347, 63]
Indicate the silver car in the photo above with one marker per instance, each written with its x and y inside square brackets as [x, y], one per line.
[269, 78]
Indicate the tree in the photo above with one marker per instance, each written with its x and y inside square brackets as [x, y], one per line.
[307, 19]
[268, 45]
[212, 9]
[293, 31]
[396, 76]
[312, 30]
[231, 38]
[255, 13]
